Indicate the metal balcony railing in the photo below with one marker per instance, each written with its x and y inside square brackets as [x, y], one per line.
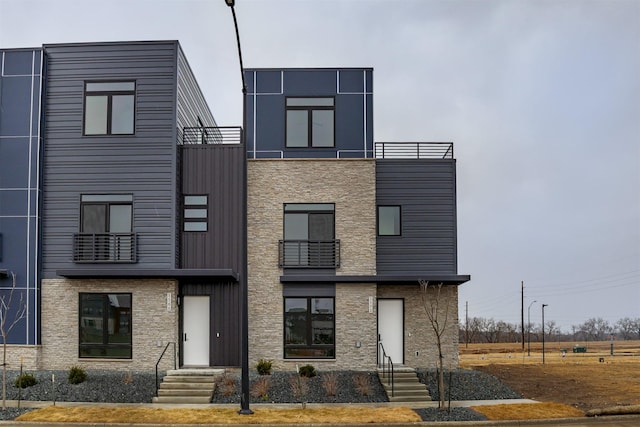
[309, 253]
[105, 248]
[212, 135]
[414, 150]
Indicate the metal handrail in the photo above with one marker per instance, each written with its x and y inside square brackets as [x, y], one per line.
[414, 150]
[160, 358]
[387, 372]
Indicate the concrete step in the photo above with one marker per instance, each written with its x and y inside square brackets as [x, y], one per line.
[183, 392]
[413, 386]
[189, 379]
[195, 372]
[182, 399]
[186, 386]
[410, 399]
[416, 392]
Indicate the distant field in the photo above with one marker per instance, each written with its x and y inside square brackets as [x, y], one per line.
[594, 379]
[483, 354]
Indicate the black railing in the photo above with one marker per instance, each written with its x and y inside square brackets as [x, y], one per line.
[175, 366]
[105, 248]
[387, 367]
[212, 135]
[414, 150]
[309, 253]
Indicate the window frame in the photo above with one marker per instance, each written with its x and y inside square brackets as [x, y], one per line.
[399, 207]
[107, 200]
[309, 346]
[310, 109]
[196, 219]
[105, 345]
[109, 108]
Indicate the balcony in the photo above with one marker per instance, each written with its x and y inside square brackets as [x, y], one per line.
[105, 248]
[211, 135]
[309, 253]
[414, 150]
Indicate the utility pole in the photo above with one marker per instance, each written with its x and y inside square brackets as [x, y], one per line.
[522, 311]
[466, 324]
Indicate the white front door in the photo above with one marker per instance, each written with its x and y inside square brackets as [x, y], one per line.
[391, 329]
[195, 337]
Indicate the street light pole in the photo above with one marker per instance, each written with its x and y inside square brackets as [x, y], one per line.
[543, 306]
[529, 328]
[244, 283]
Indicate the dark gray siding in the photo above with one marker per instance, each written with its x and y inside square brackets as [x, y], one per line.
[225, 319]
[142, 164]
[191, 104]
[217, 171]
[426, 192]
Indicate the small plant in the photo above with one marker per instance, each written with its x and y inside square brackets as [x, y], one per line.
[299, 386]
[77, 375]
[330, 383]
[264, 367]
[307, 371]
[128, 378]
[260, 388]
[25, 380]
[362, 383]
[227, 385]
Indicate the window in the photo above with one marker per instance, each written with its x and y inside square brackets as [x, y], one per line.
[109, 108]
[310, 122]
[309, 236]
[309, 328]
[105, 229]
[389, 223]
[105, 325]
[195, 213]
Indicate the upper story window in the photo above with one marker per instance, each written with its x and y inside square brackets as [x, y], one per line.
[109, 108]
[310, 122]
[309, 236]
[106, 223]
[389, 221]
[196, 213]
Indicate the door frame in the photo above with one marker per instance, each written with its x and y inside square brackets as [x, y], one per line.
[182, 329]
[378, 355]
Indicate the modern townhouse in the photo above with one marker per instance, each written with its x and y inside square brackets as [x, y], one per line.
[133, 222]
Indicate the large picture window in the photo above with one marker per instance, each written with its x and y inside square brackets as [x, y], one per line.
[310, 122]
[109, 108]
[309, 328]
[105, 325]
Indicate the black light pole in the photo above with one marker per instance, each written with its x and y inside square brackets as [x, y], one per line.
[244, 283]
[543, 306]
[529, 328]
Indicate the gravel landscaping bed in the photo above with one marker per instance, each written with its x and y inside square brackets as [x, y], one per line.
[281, 387]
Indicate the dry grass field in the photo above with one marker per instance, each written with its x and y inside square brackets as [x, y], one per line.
[590, 380]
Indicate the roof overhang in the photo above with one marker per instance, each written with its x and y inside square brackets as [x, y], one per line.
[190, 273]
[390, 279]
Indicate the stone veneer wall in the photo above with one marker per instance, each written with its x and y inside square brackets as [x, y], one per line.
[350, 184]
[153, 323]
[418, 333]
[28, 354]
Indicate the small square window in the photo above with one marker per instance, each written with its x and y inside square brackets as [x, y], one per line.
[389, 221]
[109, 108]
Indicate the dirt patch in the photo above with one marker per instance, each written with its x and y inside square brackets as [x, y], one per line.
[582, 385]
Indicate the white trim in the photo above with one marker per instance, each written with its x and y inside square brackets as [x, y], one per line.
[364, 106]
[36, 275]
[338, 82]
[255, 99]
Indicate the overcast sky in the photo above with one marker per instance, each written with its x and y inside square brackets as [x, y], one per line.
[541, 99]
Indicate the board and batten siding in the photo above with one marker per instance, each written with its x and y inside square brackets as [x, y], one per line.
[426, 192]
[143, 164]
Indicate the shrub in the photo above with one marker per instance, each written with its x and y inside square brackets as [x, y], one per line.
[227, 385]
[264, 367]
[25, 380]
[299, 386]
[307, 371]
[362, 383]
[260, 388]
[77, 375]
[127, 378]
[330, 383]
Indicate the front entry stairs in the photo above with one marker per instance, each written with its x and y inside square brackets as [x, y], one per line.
[188, 386]
[406, 385]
